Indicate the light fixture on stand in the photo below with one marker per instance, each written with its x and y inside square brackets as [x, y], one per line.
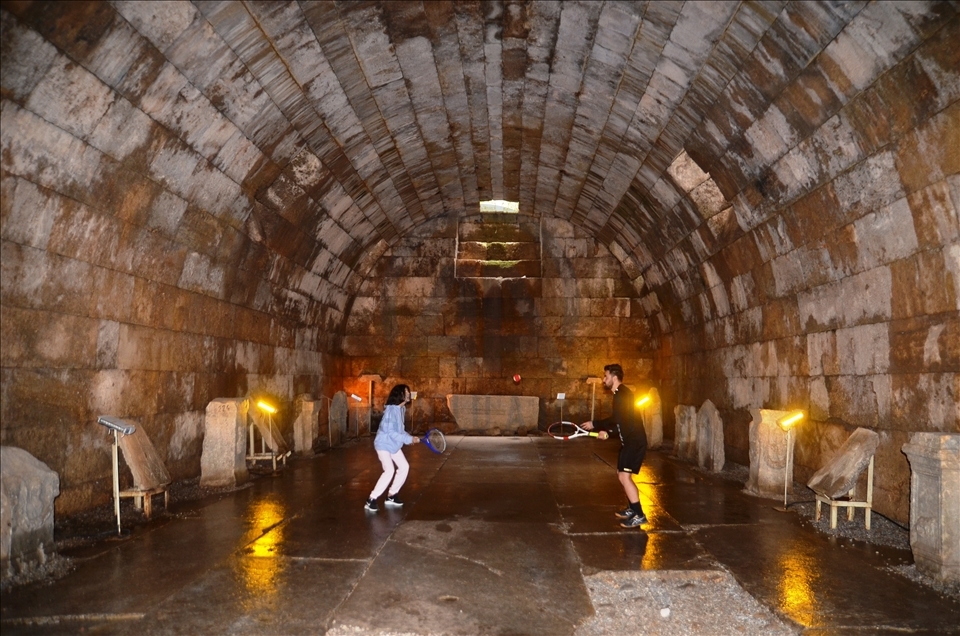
[788, 424]
[277, 446]
[119, 427]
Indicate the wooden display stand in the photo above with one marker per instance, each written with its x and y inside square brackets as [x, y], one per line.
[142, 499]
[150, 476]
[272, 444]
[849, 503]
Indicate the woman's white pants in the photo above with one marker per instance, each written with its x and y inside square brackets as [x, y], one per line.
[388, 460]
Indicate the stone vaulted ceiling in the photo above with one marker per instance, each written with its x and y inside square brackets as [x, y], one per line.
[327, 130]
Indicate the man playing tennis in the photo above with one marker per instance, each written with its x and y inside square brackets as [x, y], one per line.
[632, 437]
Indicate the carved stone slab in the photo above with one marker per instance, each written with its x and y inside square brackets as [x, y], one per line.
[494, 413]
[141, 456]
[685, 446]
[223, 460]
[28, 488]
[839, 475]
[710, 454]
[337, 420]
[305, 426]
[935, 503]
[768, 454]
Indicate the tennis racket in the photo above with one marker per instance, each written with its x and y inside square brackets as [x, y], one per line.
[568, 430]
[434, 440]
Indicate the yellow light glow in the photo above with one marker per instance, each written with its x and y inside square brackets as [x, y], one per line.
[261, 566]
[787, 421]
[798, 580]
[266, 407]
[645, 400]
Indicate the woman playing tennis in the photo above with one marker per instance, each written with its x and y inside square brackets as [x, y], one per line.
[388, 443]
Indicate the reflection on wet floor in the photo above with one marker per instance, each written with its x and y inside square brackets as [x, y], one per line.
[497, 536]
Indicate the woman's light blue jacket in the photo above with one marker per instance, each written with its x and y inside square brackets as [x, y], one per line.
[391, 435]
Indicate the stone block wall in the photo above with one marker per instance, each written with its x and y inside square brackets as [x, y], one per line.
[417, 322]
[826, 275]
[146, 271]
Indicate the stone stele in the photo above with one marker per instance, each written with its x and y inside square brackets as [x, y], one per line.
[935, 503]
[685, 445]
[305, 426]
[223, 460]
[145, 464]
[710, 454]
[839, 475]
[339, 410]
[27, 490]
[768, 454]
[494, 413]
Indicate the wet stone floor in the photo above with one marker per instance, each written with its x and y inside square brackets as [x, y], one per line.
[498, 536]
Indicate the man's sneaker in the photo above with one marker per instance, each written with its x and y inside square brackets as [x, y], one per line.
[393, 501]
[626, 513]
[371, 505]
[634, 522]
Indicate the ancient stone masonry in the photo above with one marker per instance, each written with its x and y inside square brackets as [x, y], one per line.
[223, 463]
[754, 204]
[305, 428]
[710, 455]
[935, 503]
[770, 472]
[27, 491]
[685, 437]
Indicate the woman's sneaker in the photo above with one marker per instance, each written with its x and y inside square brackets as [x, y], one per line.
[626, 513]
[634, 522]
[393, 501]
[371, 505]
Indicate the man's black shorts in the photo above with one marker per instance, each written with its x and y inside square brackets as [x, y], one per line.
[631, 457]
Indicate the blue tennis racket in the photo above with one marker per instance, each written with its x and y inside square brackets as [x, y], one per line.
[435, 441]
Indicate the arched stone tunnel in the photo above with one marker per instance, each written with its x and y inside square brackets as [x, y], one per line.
[754, 203]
